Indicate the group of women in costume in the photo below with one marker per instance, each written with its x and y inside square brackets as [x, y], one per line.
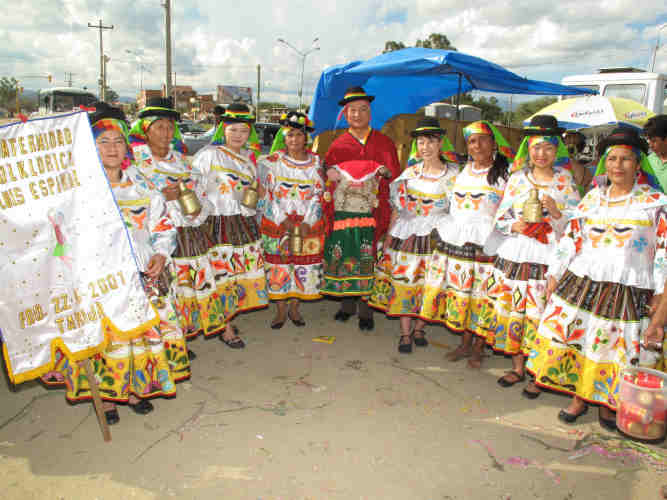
[567, 297]
[567, 294]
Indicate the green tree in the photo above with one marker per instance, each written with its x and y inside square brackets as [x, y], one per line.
[110, 95]
[435, 41]
[490, 109]
[8, 91]
[529, 108]
[391, 46]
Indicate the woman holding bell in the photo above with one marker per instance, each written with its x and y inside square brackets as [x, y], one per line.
[229, 180]
[292, 226]
[604, 276]
[531, 219]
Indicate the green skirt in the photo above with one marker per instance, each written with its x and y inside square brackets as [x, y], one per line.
[348, 255]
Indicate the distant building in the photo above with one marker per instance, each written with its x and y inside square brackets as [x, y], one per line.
[206, 103]
[145, 95]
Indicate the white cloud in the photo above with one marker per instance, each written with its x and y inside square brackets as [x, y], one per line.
[222, 42]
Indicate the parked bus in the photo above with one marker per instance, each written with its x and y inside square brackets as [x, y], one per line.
[63, 100]
[649, 89]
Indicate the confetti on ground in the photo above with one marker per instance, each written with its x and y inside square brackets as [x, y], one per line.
[324, 339]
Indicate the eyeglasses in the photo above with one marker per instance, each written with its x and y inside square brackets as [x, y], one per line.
[106, 143]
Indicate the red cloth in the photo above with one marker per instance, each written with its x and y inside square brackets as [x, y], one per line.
[379, 148]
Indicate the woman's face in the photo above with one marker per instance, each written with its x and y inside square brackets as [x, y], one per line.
[542, 154]
[236, 135]
[429, 146]
[160, 134]
[295, 140]
[112, 148]
[481, 147]
[622, 166]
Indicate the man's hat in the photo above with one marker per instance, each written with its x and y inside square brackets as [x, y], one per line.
[626, 137]
[428, 126]
[237, 113]
[355, 94]
[160, 106]
[543, 125]
[297, 120]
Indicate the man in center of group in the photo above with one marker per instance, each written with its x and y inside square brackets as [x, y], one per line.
[362, 149]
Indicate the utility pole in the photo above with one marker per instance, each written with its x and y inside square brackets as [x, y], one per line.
[259, 86]
[104, 78]
[167, 12]
[101, 27]
[69, 79]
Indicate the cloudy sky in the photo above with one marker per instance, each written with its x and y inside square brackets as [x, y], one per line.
[221, 42]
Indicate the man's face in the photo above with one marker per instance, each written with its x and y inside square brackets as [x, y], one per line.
[658, 145]
[358, 114]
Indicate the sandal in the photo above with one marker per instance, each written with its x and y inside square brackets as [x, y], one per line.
[235, 342]
[607, 423]
[569, 418]
[112, 416]
[421, 339]
[405, 347]
[277, 325]
[528, 394]
[475, 361]
[504, 382]
[297, 321]
[458, 354]
[143, 407]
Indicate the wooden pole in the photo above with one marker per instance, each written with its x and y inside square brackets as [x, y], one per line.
[97, 400]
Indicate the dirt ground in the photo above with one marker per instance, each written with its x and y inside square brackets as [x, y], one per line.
[289, 418]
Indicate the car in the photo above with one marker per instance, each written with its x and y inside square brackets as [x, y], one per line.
[266, 132]
[195, 141]
[189, 127]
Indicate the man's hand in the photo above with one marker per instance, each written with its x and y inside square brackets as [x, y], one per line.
[156, 265]
[171, 192]
[653, 337]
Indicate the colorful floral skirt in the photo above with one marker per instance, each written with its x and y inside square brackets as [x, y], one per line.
[399, 276]
[288, 275]
[456, 289]
[146, 367]
[517, 290]
[195, 288]
[589, 332]
[348, 255]
[237, 261]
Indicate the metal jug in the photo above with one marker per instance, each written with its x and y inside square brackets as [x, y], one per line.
[532, 209]
[190, 204]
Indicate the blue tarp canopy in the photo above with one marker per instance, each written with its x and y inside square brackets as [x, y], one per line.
[405, 80]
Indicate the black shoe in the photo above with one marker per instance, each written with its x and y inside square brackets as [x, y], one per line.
[191, 355]
[530, 394]
[421, 340]
[296, 321]
[609, 424]
[277, 325]
[234, 343]
[407, 347]
[342, 316]
[112, 416]
[366, 324]
[143, 407]
[568, 418]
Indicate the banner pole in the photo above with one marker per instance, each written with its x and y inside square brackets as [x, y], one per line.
[97, 400]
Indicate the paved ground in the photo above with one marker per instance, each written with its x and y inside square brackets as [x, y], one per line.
[289, 418]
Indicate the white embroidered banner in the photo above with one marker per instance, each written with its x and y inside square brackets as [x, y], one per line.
[67, 269]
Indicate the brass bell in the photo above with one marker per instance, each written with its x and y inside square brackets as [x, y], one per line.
[296, 241]
[532, 209]
[251, 196]
[190, 204]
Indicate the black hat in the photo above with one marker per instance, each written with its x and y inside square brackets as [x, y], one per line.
[294, 119]
[624, 136]
[355, 94]
[218, 110]
[103, 110]
[237, 113]
[428, 126]
[543, 125]
[160, 106]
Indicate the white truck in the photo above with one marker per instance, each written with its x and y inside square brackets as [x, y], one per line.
[649, 89]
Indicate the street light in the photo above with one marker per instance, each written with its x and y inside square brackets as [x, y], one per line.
[141, 66]
[303, 55]
[657, 46]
